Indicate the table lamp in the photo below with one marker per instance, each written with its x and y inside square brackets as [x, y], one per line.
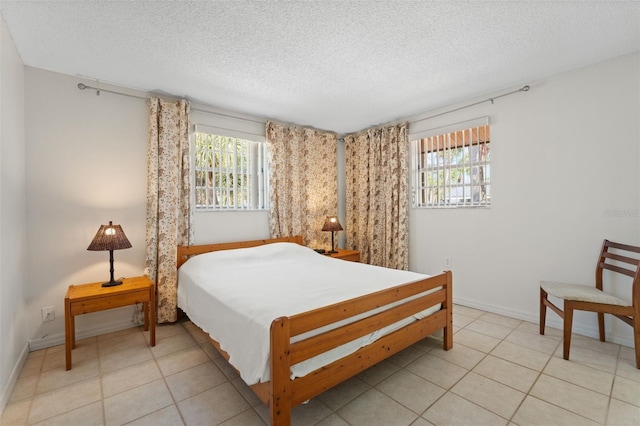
[110, 237]
[332, 224]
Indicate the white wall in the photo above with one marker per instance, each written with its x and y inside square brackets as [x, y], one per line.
[86, 165]
[564, 154]
[13, 247]
[579, 128]
[98, 145]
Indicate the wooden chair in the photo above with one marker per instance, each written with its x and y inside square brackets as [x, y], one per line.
[594, 299]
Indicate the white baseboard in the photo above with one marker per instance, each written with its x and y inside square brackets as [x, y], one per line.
[551, 322]
[58, 339]
[13, 378]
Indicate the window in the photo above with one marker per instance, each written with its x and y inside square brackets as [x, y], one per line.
[230, 173]
[451, 166]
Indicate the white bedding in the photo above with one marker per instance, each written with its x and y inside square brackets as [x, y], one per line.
[234, 295]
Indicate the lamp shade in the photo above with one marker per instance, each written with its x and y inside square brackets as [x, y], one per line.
[331, 224]
[109, 237]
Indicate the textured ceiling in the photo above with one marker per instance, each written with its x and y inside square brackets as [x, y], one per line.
[340, 66]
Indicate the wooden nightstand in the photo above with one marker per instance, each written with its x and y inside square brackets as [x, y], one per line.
[351, 255]
[86, 298]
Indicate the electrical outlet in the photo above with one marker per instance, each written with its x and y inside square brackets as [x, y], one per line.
[447, 262]
[48, 314]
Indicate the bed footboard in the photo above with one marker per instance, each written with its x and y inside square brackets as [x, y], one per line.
[286, 393]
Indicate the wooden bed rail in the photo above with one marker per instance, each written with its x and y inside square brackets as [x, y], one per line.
[312, 346]
[286, 393]
[317, 318]
[184, 252]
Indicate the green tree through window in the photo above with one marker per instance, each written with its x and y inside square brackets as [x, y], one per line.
[230, 173]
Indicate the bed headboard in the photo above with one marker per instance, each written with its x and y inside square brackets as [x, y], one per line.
[184, 252]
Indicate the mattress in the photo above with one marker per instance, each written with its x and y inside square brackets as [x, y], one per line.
[234, 296]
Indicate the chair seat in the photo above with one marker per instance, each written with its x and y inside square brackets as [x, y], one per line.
[580, 293]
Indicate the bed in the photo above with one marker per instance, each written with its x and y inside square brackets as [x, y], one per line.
[311, 323]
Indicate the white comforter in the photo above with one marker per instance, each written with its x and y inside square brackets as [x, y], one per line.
[234, 295]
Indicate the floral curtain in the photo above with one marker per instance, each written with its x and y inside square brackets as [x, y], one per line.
[376, 192]
[303, 188]
[168, 198]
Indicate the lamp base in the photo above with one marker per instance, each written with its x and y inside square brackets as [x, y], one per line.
[332, 251]
[111, 283]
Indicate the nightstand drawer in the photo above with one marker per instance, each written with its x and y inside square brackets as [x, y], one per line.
[350, 255]
[100, 304]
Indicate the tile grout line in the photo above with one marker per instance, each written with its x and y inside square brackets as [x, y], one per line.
[164, 379]
[55, 390]
[613, 384]
[450, 390]
[35, 391]
[574, 384]
[102, 398]
[401, 368]
[528, 393]
[136, 387]
[483, 358]
[155, 360]
[421, 415]
[227, 380]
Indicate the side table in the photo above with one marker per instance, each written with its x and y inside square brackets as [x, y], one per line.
[350, 255]
[86, 298]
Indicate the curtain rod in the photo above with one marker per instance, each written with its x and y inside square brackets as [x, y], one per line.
[525, 88]
[522, 89]
[83, 86]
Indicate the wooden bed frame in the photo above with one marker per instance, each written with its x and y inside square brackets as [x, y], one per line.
[283, 393]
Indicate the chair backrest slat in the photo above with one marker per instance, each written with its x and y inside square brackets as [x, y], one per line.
[619, 258]
[625, 247]
[619, 269]
[630, 268]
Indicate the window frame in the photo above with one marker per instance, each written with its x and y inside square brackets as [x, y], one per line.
[460, 152]
[259, 189]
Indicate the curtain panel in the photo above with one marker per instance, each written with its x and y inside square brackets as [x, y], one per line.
[303, 188]
[168, 198]
[377, 195]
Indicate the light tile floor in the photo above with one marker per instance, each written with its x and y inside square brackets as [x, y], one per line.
[500, 371]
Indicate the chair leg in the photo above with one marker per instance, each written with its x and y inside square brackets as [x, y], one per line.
[568, 320]
[601, 325]
[543, 310]
[636, 337]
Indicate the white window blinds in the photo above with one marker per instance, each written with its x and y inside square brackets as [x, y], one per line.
[451, 165]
